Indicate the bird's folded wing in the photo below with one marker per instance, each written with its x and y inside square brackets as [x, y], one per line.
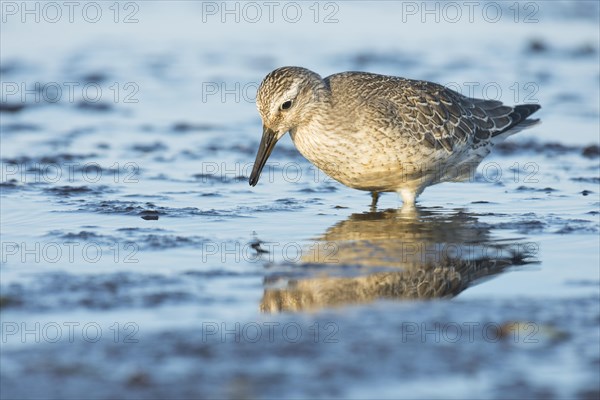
[438, 117]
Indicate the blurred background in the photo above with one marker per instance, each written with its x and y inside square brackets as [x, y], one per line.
[137, 262]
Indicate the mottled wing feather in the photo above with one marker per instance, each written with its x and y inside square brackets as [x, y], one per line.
[431, 114]
[446, 119]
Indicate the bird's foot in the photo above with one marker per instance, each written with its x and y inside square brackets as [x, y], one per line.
[374, 199]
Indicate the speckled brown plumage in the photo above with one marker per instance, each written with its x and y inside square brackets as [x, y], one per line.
[382, 133]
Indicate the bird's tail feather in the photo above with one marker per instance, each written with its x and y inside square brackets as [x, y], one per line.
[520, 119]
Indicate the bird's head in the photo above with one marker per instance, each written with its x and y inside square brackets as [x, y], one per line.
[284, 100]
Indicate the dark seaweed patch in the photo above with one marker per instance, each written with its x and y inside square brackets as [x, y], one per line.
[9, 67]
[211, 195]
[60, 158]
[149, 215]
[320, 189]
[219, 178]
[163, 242]
[10, 184]
[85, 236]
[95, 107]
[140, 230]
[105, 291]
[11, 107]
[149, 147]
[537, 46]
[19, 127]
[148, 209]
[575, 228]
[533, 146]
[141, 238]
[368, 58]
[94, 77]
[584, 50]
[593, 179]
[531, 223]
[523, 227]
[69, 191]
[532, 189]
[184, 127]
[10, 301]
[592, 151]
[81, 235]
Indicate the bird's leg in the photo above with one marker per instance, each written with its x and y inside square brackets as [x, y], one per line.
[408, 198]
[374, 198]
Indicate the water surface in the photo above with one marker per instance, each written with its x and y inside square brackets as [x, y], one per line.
[137, 261]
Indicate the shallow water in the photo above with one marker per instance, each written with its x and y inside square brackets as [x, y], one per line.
[136, 260]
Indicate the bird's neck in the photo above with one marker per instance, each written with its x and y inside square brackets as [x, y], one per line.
[316, 136]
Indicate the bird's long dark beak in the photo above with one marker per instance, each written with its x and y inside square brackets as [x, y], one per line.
[267, 144]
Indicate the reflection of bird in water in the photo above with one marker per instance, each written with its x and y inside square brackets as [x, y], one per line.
[394, 238]
[425, 256]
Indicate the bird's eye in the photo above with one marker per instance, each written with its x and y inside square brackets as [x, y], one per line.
[286, 105]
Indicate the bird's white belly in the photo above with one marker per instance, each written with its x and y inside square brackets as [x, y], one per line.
[361, 165]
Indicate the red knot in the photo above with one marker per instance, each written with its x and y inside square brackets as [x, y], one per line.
[382, 133]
